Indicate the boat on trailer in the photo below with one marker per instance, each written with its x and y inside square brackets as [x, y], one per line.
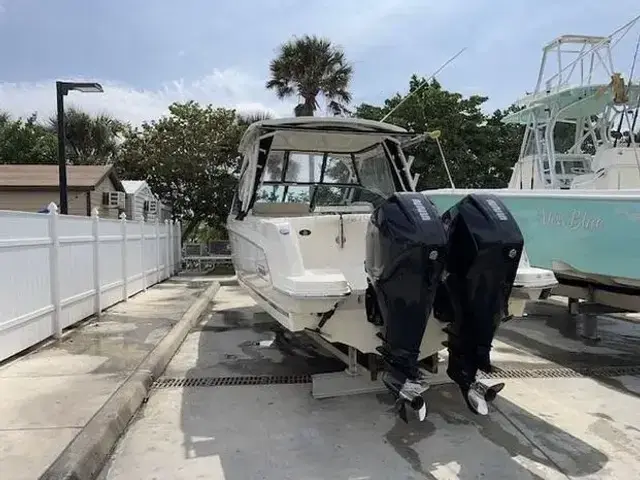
[575, 188]
[329, 236]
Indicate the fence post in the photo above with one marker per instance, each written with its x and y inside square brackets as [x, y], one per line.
[170, 243]
[54, 271]
[97, 282]
[166, 249]
[157, 226]
[142, 263]
[178, 245]
[125, 274]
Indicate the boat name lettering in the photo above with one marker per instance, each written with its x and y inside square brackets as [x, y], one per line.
[576, 220]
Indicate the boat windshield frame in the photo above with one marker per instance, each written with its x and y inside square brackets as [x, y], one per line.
[256, 156]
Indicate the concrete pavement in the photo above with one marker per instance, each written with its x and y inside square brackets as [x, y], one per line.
[48, 396]
[539, 428]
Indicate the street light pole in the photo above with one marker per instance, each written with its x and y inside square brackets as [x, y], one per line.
[62, 162]
[62, 88]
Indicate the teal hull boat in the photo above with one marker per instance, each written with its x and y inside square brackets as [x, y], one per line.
[590, 235]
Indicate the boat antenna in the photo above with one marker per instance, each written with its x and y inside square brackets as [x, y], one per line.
[435, 134]
[423, 83]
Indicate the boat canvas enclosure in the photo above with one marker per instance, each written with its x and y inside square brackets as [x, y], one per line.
[307, 159]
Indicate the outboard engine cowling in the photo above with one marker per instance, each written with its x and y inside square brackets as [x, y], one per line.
[484, 249]
[405, 257]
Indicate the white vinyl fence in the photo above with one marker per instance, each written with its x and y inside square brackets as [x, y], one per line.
[56, 270]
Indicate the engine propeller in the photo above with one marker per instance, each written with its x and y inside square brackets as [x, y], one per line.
[479, 395]
[408, 395]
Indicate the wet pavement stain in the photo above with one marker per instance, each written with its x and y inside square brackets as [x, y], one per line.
[575, 457]
[403, 437]
[121, 340]
[557, 319]
[617, 385]
[264, 347]
[127, 332]
[520, 339]
[286, 356]
[561, 451]
[613, 435]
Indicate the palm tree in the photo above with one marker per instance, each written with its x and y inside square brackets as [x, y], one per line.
[308, 67]
[91, 140]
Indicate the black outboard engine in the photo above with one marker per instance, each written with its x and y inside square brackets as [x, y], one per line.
[405, 257]
[485, 245]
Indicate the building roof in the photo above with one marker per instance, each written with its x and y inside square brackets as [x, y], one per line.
[44, 177]
[133, 186]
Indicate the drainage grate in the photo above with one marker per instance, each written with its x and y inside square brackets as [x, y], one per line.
[564, 372]
[515, 373]
[228, 381]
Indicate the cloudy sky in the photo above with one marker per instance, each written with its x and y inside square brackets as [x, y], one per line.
[149, 53]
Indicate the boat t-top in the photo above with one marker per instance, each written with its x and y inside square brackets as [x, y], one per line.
[580, 121]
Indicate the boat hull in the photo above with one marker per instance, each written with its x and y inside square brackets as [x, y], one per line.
[591, 236]
[347, 325]
[257, 245]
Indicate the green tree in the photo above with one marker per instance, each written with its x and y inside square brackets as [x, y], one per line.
[90, 139]
[26, 141]
[308, 67]
[480, 149]
[190, 160]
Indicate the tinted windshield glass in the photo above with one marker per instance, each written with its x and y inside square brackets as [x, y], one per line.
[323, 180]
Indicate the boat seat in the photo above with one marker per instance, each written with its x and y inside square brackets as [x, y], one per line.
[280, 209]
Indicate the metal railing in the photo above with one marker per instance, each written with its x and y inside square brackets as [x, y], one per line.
[205, 257]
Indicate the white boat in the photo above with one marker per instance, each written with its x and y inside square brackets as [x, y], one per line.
[301, 229]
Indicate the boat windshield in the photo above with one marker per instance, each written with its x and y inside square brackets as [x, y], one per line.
[327, 179]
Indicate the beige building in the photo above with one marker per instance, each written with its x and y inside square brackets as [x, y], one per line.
[31, 188]
[143, 204]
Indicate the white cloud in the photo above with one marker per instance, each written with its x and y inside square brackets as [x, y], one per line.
[229, 88]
